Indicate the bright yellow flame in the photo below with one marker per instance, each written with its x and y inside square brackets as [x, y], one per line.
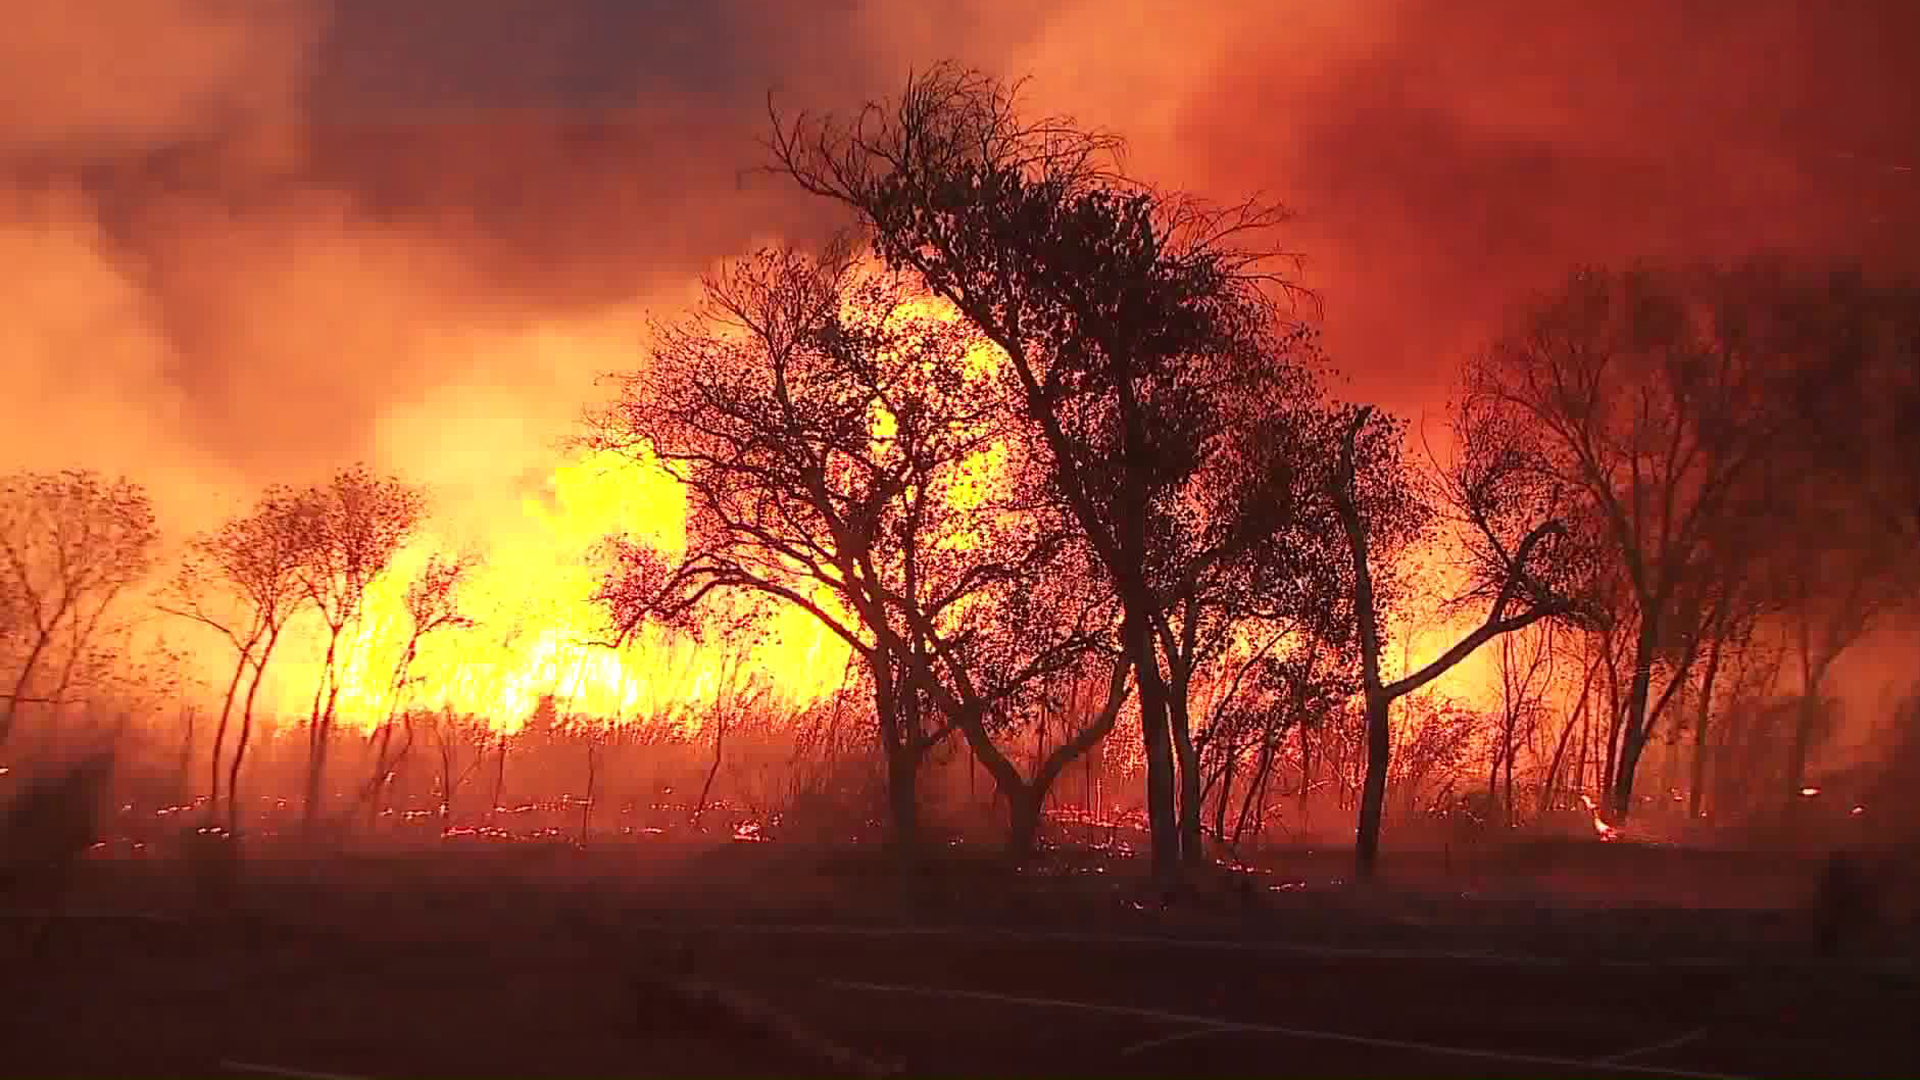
[537, 626]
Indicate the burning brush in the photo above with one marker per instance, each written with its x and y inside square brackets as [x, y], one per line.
[1600, 828]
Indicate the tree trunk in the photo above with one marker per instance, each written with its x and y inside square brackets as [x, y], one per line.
[897, 710]
[713, 770]
[246, 735]
[1493, 771]
[586, 806]
[1226, 793]
[1255, 785]
[1697, 786]
[446, 781]
[903, 800]
[25, 678]
[382, 743]
[499, 779]
[1509, 779]
[1373, 795]
[1634, 730]
[1192, 851]
[1158, 742]
[1798, 750]
[1610, 761]
[183, 772]
[316, 766]
[395, 689]
[1306, 768]
[220, 735]
[1560, 750]
[317, 731]
[1023, 822]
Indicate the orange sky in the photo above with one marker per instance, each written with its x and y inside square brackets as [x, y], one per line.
[254, 242]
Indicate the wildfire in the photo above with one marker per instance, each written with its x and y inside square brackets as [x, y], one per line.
[537, 632]
[1600, 828]
[536, 626]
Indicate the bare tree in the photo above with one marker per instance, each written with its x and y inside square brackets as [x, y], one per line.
[1279, 688]
[834, 437]
[433, 605]
[243, 581]
[452, 737]
[1379, 518]
[720, 719]
[1655, 401]
[1526, 670]
[71, 543]
[1731, 629]
[355, 524]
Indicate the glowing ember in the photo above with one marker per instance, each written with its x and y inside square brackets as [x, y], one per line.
[1858, 810]
[1600, 828]
[1809, 792]
[749, 832]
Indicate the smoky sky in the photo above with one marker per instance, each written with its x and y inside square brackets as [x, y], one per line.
[247, 242]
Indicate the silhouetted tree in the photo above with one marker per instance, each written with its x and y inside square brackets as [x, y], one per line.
[71, 543]
[845, 451]
[454, 736]
[1526, 670]
[252, 563]
[1844, 490]
[1142, 343]
[432, 603]
[1273, 689]
[242, 580]
[1514, 565]
[354, 525]
[1650, 402]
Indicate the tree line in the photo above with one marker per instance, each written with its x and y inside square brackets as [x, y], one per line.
[1034, 418]
[1047, 446]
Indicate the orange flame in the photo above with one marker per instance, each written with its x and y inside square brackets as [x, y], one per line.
[538, 632]
[1600, 828]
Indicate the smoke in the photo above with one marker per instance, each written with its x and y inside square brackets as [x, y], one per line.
[253, 240]
[1444, 158]
[114, 75]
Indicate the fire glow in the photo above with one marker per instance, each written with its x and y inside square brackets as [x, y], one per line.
[1600, 828]
[538, 633]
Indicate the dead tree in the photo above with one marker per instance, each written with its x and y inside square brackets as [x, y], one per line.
[71, 544]
[355, 524]
[241, 581]
[1664, 409]
[433, 606]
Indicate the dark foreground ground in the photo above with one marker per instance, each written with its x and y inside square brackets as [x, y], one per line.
[525, 963]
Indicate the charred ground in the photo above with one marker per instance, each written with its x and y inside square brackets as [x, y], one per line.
[551, 960]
